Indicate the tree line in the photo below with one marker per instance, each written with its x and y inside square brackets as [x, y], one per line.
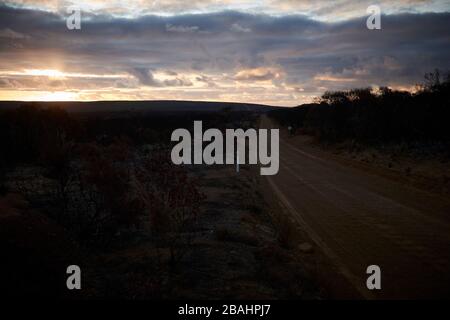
[380, 116]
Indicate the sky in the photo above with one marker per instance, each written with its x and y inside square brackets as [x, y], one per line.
[277, 52]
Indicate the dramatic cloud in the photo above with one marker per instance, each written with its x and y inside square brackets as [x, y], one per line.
[145, 77]
[318, 9]
[238, 28]
[8, 33]
[182, 29]
[218, 55]
[258, 74]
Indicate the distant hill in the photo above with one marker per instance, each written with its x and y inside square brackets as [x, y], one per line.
[143, 106]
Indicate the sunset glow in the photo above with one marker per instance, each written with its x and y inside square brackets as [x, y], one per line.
[274, 51]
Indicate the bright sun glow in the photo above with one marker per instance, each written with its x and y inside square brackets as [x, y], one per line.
[45, 73]
[58, 96]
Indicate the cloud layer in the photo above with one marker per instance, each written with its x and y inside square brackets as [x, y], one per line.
[225, 55]
[317, 9]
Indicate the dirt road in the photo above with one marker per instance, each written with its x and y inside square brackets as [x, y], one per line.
[359, 219]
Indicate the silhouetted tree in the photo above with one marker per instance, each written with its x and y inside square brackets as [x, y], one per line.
[381, 116]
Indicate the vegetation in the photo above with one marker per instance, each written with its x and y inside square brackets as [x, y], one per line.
[377, 116]
[98, 177]
[99, 190]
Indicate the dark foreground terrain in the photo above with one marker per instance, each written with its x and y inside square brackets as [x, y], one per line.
[363, 180]
[142, 107]
[97, 190]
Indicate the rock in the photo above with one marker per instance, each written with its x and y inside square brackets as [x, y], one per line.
[306, 247]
